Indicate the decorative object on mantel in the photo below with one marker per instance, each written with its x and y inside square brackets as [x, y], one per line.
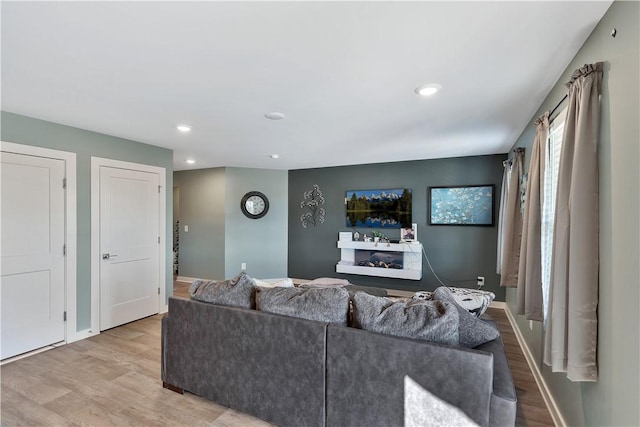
[378, 235]
[312, 201]
[409, 234]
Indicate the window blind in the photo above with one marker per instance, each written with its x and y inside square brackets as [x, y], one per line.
[552, 163]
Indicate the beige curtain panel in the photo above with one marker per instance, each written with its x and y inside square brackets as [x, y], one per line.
[529, 294]
[572, 324]
[502, 213]
[512, 224]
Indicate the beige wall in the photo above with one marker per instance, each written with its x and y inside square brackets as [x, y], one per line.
[614, 399]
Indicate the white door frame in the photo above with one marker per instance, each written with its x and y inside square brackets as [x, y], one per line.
[96, 163]
[70, 235]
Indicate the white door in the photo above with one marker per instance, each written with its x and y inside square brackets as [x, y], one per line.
[129, 245]
[32, 281]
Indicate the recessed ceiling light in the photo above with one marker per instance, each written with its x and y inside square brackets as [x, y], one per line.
[428, 90]
[191, 161]
[275, 156]
[274, 115]
[184, 128]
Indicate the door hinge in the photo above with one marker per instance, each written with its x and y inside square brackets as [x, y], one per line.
[65, 316]
[158, 291]
[158, 239]
[64, 183]
[159, 189]
[64, 249]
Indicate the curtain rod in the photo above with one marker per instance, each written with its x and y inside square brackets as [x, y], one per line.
[510, 160]
[557, 105]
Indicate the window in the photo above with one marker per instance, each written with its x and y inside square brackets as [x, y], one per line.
[552, 163]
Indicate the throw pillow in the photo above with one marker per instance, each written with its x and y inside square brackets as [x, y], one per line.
[474, 301]
[322, 304]
[237, 292]
[274, 283]
[472, 331]
[422, 295]
[326, 282]
[434, 321]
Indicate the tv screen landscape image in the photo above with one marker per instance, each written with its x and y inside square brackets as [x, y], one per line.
[379, 208]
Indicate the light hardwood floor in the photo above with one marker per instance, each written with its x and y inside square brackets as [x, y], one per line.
[531, 409]
[113, 379]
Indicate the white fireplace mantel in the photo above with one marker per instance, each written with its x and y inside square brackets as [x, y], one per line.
[412, 259]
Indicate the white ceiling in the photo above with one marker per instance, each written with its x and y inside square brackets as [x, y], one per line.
[344, 73]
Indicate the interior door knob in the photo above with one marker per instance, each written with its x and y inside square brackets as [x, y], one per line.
[107, 256]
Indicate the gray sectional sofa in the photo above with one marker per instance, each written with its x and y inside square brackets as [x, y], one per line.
[296, 372]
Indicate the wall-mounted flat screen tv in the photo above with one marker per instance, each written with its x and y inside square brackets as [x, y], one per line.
[379, 208]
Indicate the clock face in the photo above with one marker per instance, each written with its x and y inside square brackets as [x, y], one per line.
[254, 205]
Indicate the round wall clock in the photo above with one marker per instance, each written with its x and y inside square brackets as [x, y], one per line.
[254, 205]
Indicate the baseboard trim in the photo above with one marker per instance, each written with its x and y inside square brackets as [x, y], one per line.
[30, 353]
[556, 415]
[498, 304]
[185, 279]
[80, 335]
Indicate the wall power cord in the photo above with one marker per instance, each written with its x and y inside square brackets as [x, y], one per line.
[452, 282]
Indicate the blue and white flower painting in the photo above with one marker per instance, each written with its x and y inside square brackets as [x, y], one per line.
[471, 205]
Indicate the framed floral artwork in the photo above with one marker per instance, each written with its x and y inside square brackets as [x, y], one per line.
[461, 205]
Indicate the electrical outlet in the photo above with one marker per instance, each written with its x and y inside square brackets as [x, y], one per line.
[243, 266]
[531, 325]
[480, 281]
[186, 228]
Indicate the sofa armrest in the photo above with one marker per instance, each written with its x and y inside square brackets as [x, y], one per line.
[503, 398]
[373, 379]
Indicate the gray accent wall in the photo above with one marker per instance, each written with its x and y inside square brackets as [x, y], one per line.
[86, 144]
[613, 399]
[457, 253]
[220, 237]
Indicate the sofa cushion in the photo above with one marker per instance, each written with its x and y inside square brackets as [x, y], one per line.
[323, 304]
[237, 292]
[434, 321]
[472, 331]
